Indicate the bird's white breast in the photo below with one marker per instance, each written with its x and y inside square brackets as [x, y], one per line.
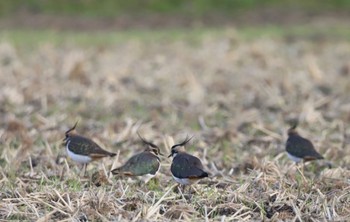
[76, 157]
[146, 178]
[183, 181]
[294, 158]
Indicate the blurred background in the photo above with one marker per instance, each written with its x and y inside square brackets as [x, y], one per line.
[117, 14]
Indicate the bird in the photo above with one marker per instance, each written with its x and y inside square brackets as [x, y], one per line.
[299, 148]
[144, 165]
[185, 168]
[82, 149]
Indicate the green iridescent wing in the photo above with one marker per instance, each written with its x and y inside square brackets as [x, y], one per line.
[187, 166]
[84, 146]
[141, 164]
[301, 147]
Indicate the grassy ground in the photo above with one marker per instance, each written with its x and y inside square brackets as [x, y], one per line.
[234, 94]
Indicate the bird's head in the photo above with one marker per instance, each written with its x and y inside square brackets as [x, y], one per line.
[180, 147]
[70, 131]
[151, 147]
[292, 129]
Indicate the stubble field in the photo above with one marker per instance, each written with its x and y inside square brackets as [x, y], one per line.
[235, 95]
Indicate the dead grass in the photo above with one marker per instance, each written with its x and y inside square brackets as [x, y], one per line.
[235, 96]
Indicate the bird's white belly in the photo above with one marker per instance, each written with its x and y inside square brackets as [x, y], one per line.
[146, 178]
[294, 158]
[183, 181]
[76, 157]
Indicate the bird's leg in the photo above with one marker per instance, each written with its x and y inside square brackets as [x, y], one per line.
[85, 166]
[188, 195]
[194, 190]
[189, 192]
[298, 182]
[302, 169]
[302, 172]
[81, 169]
[179, 188]
[183, 188]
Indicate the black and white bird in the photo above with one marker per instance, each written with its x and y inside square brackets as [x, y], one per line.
[185, 168]
[144, 165]
[299, 148]
[83, 150]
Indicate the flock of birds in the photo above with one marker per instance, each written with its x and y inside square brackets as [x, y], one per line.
[186, 169]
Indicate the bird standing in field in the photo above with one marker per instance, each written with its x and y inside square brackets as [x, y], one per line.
[83, 150]
[299, 148]
[185, 168]
[144, 165]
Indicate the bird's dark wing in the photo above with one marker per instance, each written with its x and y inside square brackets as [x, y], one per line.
[140, 164]
[301, 147]
[84, 146]
[187, 166]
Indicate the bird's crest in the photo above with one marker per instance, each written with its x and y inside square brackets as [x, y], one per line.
[146, 142]
[182, 143]
[152, 147]
[292, 130]
[71, 129]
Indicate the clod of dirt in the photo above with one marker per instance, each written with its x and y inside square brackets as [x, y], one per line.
[130, 206]
[15, 126]
[284, 212]
[99, 178]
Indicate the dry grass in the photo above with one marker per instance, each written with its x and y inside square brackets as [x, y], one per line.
[235, 96]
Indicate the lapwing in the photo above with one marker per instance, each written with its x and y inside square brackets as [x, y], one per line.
[144, 165]
[299, 148]
[83, 150]
[185, 168]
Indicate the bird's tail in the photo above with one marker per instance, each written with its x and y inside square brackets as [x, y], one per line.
[204, 174]
[115, 171]
[112, 154]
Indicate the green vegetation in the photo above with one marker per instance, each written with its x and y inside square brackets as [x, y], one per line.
[108, 8]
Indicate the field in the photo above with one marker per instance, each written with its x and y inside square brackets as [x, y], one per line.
[234, 90]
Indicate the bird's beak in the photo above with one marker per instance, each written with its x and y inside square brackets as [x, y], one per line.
[64, 141]
[170, 155]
